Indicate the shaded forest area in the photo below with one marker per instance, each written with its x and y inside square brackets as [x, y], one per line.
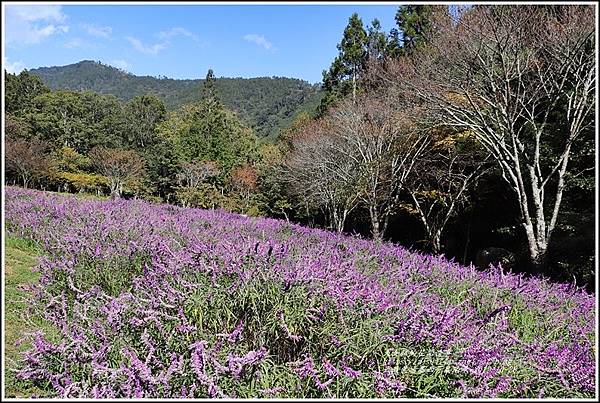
[464, 131]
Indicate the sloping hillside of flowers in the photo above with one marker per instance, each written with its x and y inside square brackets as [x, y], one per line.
[160, 301]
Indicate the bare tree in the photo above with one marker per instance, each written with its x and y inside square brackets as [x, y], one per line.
[360, 153]
[26, 158]
[439, 184]
[194, 173]
[244, 181]
[504, 72]
[118, 165]
[319, 174]
[384, 143]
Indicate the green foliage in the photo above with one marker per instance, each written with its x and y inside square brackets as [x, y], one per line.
[15, 127]
[71, 171]
[81, 182]
[20, 91]
[112, 275]
[330, 97]
[208, 131]
[393, 44]
[161, 168]
[251, 205]
[272, 189]
[265, 104]
[357, 49]
[414, 25]
[352, 46]
[77, 120]
[341, 78]
[203, 196]
[376, 41]
[140, 117]
[68, 160]
[209, 90]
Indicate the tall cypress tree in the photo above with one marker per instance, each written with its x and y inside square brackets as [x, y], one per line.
[209, 89]
[415, 25]
[393, 45]
[353, 54]
[342, 77]
[376, 41]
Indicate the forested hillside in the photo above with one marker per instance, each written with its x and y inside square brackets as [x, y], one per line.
[265, 103]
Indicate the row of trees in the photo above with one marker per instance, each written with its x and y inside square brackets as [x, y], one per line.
[369, 152]
[522, 80]
[89, 142]
[361, 47]
[413, 122]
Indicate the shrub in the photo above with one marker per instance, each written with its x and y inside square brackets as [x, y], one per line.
[205, 195]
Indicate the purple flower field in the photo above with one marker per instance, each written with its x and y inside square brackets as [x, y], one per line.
[160, 301]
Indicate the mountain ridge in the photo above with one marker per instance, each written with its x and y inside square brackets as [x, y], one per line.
[267, 104]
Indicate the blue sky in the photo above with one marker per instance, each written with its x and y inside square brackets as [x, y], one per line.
[184, 41]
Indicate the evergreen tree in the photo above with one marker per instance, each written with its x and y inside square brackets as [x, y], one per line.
[209, 89]
[415, 25]
[393, 45]
[71, 119]
[342, 77]
[161, 168]
[142, 114]
[376, 41]
[333, 88]
[208, 131]
[353, 54]
[21, 90]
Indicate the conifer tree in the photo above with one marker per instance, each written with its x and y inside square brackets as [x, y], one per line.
[209, 89]
[342, 77]
[415, 23]
[353, 54]
[376, 41]
[393, 44]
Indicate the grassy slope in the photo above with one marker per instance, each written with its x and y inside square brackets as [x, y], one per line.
[20, 259]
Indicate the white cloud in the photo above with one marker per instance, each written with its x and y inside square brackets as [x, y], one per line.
[140, 47]
[28, 25]
[121, 64]
[260, 40]
[38, 12]
[97, 31]
[178, 31]
[14, 67]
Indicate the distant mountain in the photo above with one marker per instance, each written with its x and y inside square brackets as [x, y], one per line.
[265, 103]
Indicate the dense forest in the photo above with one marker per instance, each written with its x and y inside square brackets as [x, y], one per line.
[266, 104]
[452, 133]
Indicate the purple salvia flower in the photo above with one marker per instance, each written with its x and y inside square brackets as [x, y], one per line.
[330, 369]
[348, 371]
